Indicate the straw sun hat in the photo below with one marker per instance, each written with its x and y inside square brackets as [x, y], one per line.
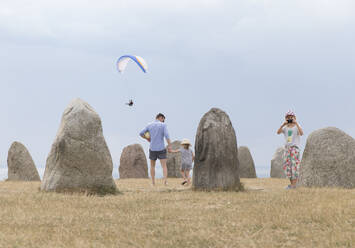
[185, 142]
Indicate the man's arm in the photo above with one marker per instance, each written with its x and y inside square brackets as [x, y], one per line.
[143, 132]
[167, 137]
[169, 145]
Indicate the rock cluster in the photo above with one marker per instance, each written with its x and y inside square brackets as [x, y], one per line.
[328, 159]
[246, 163]
[133, 162]
[277, 170]
[174, 161]
[20, 164]
[216, 161]
[79, 159]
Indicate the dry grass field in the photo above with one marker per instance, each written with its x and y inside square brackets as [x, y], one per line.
[265, 215]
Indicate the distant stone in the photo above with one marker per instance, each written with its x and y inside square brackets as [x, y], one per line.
[174, 161]
[277, 161]
[20, 164]
[328, 159]
[79, 160]
[133, 162]
[216, 161]
[246, 163]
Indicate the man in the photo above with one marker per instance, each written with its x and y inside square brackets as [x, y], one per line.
[158, 131]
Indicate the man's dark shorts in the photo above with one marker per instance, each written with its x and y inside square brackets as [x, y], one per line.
[154, 155]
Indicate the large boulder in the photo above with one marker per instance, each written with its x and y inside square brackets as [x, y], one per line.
[328, 159]
[216, 161]
[277, 160]
[246, 163]
[79, 159]
[20, 164]
[174, 161]
[133, 162]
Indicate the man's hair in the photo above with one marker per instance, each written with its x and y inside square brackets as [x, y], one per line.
[160, 115]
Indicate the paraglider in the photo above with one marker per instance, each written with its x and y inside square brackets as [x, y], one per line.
[122, 62]
[130, 103]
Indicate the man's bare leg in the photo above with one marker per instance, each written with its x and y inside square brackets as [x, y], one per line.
[152, 171]
[165, 170]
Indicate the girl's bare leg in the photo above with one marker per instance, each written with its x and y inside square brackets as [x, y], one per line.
[183, 174]
[187, 175]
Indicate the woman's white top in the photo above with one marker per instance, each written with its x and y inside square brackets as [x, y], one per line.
[292, 136]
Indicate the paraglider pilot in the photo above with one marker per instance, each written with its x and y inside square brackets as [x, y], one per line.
[130, 103]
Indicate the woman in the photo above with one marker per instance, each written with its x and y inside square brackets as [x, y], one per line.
[292, 132]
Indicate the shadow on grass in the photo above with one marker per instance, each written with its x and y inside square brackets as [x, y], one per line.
[236, 188]
[239, 188]
[92, 191]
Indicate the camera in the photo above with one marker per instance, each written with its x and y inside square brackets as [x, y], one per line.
[289, 121]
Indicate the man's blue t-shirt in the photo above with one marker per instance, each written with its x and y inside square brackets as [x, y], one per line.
[158, 131]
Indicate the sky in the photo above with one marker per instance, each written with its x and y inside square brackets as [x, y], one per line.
[253, 59]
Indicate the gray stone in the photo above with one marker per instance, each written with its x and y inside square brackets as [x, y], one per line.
[328, 159]
[174, 161]
[277, 160]
[133, 162]
[79, 159]
[246, 163]
[20, 164]
[216, 161]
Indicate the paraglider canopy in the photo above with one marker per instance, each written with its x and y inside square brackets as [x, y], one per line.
[123, 61]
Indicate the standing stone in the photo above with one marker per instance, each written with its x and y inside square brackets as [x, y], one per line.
[174, 161]
[246, 163]
[20, 164]
[328, 159]
[79, 159]
[277, 170]
[216, 161]
[133, 162]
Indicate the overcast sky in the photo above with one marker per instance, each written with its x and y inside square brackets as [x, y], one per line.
[254, 59]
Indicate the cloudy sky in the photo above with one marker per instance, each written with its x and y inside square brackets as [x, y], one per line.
[254, 59]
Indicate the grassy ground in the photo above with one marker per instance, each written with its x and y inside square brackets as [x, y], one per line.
[265, 215]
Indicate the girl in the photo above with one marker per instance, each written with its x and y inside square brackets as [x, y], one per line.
[187, 158]
[292, 132]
